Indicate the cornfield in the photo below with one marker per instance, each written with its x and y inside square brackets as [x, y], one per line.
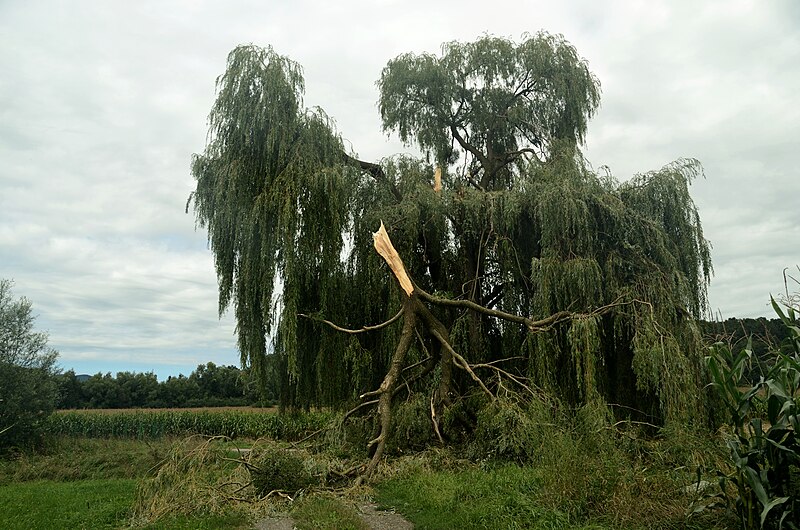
[155, 423]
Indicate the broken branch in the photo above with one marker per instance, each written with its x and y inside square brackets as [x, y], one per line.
[384, 247]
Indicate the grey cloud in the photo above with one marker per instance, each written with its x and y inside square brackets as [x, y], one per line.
[105, 101]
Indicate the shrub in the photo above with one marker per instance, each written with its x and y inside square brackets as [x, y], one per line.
[27, 390]
[412, 425]
[515, 430]
[279, 469]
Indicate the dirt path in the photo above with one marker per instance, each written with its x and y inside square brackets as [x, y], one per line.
[375, 519]
[380, 520]
[275, 523]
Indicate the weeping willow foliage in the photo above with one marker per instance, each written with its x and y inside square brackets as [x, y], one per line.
[274, 200]
[522, 225]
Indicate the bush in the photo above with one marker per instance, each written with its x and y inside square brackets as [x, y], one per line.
[28, 391]
[279, 469]
[412, 428]
[515, 430]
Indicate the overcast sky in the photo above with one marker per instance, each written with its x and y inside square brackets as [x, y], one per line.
[102, 104]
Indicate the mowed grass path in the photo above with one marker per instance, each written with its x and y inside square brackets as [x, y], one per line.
[88, 504]
[81, 504]
[81, 483]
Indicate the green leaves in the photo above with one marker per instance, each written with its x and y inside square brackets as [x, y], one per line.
[523, 225]
[270, 191]
[764, 460]
[28, 392]
[491, 100]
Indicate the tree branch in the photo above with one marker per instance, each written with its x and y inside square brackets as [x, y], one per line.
[494, 296]
[353, 331]
[469, 147]
[376, 171]
[359, 407]
[532, 325]
[473, 306]
[461, 362]
[511, 156]
[517, 380]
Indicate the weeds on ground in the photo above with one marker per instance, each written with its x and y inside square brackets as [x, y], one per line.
[209, 476]
[326, 512]
[535, 464]
[71, 458]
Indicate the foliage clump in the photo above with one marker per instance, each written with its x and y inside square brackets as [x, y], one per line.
[28, 392]
[278, 469]
[514, 430]
[213, 476]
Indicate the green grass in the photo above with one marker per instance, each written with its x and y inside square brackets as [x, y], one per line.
[323, 512]
[535, 496]
[87, 504]
[69, 459]
[200, 522]
[68, 505]
[576, 479]
[88, 483]
[503, 497]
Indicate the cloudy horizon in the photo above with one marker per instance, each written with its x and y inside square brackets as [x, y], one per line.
[104, 102]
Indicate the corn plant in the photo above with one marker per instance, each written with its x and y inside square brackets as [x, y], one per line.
[764, 484]
[157, 423]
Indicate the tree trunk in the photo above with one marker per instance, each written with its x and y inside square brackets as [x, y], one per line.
[386, 389]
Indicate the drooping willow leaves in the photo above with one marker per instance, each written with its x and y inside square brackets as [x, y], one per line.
[521, 225]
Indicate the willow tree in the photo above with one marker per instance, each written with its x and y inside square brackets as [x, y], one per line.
[504, 257]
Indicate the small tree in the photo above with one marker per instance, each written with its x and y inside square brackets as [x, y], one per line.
[28, 391]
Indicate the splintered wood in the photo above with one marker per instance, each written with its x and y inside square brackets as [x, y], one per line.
[437, 179]
[385, 248]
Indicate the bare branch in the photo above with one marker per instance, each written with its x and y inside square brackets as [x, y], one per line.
[461, 362]
[359, 407]
[353, 331]
[469, 147]
[471, 305]
[517, 380]
[533, 325]
[475, 183]
[435, 419]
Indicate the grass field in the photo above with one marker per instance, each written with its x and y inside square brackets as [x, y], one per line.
[116, 472]
[88, 504]
[78, 482]
[68, 505]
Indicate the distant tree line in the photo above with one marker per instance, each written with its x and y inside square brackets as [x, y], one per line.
[207, 386]
[213, 386]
